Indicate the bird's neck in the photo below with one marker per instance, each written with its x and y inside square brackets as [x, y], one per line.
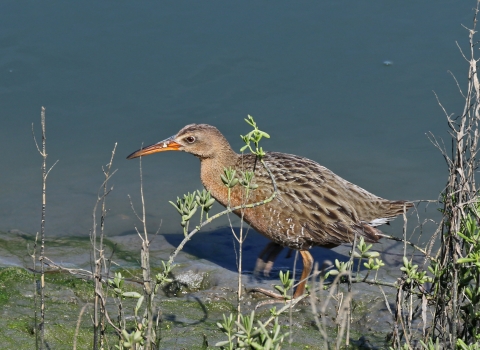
[212, 168]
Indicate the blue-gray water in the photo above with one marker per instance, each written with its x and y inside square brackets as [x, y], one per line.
[312, 73]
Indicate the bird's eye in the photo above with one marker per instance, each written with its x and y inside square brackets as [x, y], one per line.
[190, 139]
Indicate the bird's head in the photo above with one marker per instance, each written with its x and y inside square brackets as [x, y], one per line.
[201, 140]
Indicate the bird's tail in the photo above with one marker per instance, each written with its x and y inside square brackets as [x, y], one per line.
[399, 207]
[393, 209]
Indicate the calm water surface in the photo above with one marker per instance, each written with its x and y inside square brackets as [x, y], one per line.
[311, 73]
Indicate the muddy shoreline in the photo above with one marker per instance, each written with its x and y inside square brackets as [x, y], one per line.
[205, 289]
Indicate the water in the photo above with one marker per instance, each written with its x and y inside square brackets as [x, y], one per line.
[346, 83]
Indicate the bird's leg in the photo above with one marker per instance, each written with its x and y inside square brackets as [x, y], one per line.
[307, 260]
[266, 259]
[307, 268]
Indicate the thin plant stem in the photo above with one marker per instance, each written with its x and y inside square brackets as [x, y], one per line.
[77, 328]
[98, 257]
[45, 172]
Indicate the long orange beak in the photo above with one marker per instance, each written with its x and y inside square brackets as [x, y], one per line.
[162, 146]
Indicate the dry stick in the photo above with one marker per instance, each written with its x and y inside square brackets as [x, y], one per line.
[77, 328]
[42, 234]
[42, 237]
[410, 312]
[386, 300]
[404, 229]
[239, 270]
[46, 261]
[146, 273]
[148, 289]
[461, 186]
[345, 311]
[101, 258]
[35, 290]
[99, 308]
[407, 242]
[290, 313]
[313, 297]
[241, 238]
[238, 256]
[405, 254]
[439, 305]
[396, 333]
[238, 261]
[420, 225]
[86, 274]
[375, 283]
[117, 329]
[459, 162]
[349, 296]
[335, 283]
[45, 173]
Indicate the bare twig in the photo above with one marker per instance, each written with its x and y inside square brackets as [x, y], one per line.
[45, 172]
[77, 329]
[98, 253]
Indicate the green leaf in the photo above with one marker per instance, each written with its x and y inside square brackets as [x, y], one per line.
[264, 134]
[332, 273]
[222, 343]
[465, 260]
[175, 206]
[224, 179]
[125, 334]
[372, 254]
[137, 336]
[139, 302]
[131, 295]
[250, 121]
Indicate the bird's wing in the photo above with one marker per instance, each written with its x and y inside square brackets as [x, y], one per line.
[326, 205]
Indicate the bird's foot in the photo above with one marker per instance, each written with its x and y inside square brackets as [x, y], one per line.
[262, 267]
[266, 259]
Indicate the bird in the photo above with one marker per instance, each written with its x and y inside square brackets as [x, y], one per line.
[312, 205]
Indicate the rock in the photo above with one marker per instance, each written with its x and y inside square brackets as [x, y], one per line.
[188, 281]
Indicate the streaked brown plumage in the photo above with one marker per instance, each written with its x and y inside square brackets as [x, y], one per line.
[313, 206]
